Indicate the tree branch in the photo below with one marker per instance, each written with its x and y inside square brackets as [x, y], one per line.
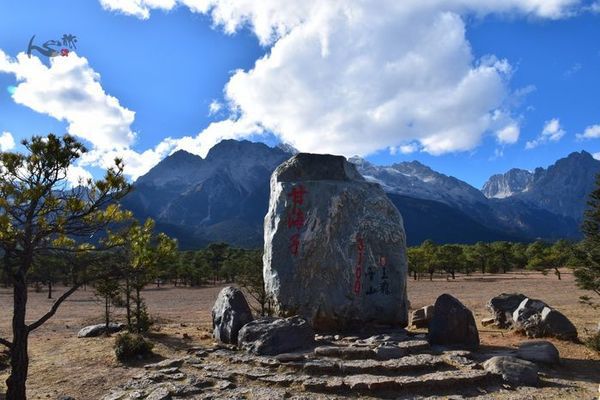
[5, 343]
[54, 308]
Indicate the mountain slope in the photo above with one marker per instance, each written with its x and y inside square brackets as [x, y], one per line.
[224, 197]
[563, 188]
[505, 185]
[429, 219]
[514, 215]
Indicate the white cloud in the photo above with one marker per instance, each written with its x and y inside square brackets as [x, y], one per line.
[349, 78]
[596, 156]
[77, 175]
[136, 163]
[552, 132]
[591, 132]
[509, 134]
[404, 149]
[214, 107]
[217, 131]
[69, 90]
[137, 8]
[345, 77]
[7, 142]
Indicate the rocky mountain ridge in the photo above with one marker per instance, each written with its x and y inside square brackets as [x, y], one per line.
[224, 197]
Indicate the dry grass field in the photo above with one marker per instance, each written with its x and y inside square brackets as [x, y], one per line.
[62, 364]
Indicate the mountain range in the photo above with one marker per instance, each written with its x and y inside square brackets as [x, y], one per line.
[224, 197]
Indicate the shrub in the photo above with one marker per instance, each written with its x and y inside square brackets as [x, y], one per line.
[129, 346]
[593, 342]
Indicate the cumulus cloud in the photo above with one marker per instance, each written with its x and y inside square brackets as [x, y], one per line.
[7, 142]
[215, 132]
[552, 132]
[346, 77]
[591, 132]
[69, 90]
[351, 78]
[136, 163]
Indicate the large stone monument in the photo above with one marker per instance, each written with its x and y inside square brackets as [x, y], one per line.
[335, 247]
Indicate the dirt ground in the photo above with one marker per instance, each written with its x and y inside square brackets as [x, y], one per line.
[62, 364]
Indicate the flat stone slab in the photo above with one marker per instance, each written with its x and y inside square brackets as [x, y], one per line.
[412, 363]
[445, 379]
[347, 353]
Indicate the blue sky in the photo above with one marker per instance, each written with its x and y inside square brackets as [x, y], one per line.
[443, 97]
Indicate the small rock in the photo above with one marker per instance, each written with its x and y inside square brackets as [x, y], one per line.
[420, 318]
[99, 329]
[453, 324]
[169, 371]
[229, 314]
[538, 351]
[269, 336]
[161, 393]
[223, 385]
[488, 321]
[513, 370]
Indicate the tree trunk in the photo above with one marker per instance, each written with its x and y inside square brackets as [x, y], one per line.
[106, 315]
[19, 359]
[128, 303]
[453, 274]
[557, 272]
[415, 275]
[138, 310]
[49, 288]
[431, 275]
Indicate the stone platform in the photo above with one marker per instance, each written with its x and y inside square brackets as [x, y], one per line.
[382, 366]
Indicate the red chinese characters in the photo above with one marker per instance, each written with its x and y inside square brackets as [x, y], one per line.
[295, 217]
[360, 245]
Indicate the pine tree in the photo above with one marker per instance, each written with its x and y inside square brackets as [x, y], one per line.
[587, 258]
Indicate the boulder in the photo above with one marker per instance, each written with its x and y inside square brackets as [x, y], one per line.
[527, 309]
[537, 319]
[503, 306]
[100, 329]
[229, 314]
[453, 324]
[335, 247]
[420, 318]
[513, 370]
[273, 336]
[538, 351]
